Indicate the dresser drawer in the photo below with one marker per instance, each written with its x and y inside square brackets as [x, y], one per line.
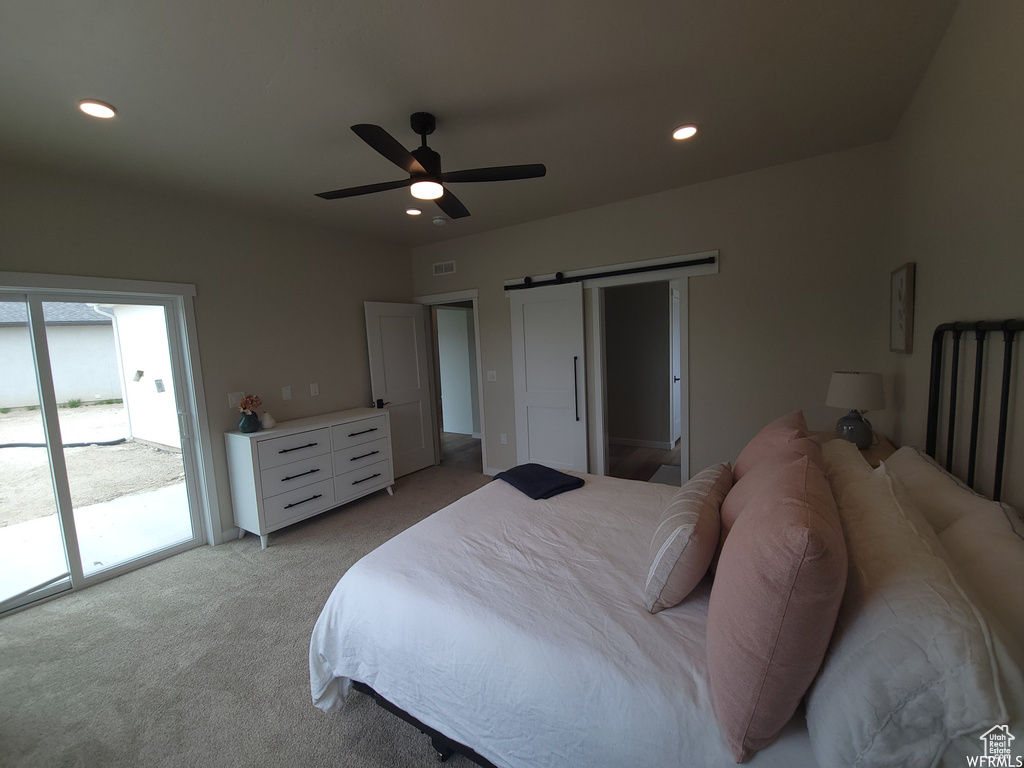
[359, 456]
[357, 432]
[282, 450]
[360, 481]
[302, 502]
[295, 474]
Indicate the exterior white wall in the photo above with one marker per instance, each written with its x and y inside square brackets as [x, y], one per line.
[456, 352]
[152, 411]
[82, 357]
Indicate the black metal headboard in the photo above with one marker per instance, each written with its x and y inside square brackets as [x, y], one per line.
[1009, 329]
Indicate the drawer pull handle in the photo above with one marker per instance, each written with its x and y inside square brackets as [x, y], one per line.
[353, 434]
[357, 482]
[289, 506]
[301, 474]
[298, 448]
[371, 453]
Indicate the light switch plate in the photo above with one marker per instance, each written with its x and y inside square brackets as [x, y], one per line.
[314, 390]
[286, 393]
[492, 375]
[234, 398]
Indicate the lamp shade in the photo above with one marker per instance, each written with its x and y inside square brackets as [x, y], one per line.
[856, 391]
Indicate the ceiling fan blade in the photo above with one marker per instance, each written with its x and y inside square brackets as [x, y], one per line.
[497, 173]
[387, 145]
[366, 189]
[451, 205]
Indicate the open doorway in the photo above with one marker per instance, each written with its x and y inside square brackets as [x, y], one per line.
[641, 343]
[457, 385]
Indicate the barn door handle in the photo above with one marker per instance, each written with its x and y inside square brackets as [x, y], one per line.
[576, 386]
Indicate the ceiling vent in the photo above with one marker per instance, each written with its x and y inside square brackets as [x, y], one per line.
[444, 268]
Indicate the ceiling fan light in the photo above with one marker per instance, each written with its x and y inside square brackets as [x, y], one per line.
[684, 132]
[426, 190]
[96, 108]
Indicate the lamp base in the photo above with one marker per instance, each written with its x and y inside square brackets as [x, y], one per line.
[856, 429]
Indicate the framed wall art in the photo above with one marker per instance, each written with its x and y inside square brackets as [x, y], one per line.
[901, 309]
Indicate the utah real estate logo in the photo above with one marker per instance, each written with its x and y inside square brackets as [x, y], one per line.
[998, 743]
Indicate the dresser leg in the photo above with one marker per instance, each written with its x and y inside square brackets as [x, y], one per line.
[265, 540]
[391, 491]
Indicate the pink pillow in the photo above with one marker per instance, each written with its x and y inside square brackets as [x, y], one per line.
[753, 480]
[769, 440]
[773, 604]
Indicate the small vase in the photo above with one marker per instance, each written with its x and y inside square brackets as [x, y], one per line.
[250, 422]
[267, 421]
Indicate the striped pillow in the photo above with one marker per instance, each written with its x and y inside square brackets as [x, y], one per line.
[686, 538]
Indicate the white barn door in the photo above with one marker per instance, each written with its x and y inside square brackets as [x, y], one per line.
[400, 377]
[549, 376]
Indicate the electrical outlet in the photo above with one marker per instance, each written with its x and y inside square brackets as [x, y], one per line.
[504, 438]
[314, 390]
[234, 398]
[286, 393]
[492, 375]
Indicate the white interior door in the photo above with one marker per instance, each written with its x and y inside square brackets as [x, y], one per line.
[400, 377]
[549, 376]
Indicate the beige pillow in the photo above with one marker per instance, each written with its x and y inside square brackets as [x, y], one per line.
[942, 498]
[910, 666]
[686, 538]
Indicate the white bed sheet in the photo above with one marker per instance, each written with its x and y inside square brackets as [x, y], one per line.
[517, 628]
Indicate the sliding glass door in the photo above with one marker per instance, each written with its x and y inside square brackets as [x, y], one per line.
[96, 450]
[33, 558]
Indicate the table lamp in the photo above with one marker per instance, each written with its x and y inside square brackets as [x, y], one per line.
[859, 392]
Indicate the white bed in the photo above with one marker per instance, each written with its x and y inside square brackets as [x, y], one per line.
[518, 629]
[490, 622]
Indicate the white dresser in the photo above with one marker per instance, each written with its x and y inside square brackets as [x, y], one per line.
[304, 467]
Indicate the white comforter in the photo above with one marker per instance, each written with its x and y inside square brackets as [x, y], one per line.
[517, 627]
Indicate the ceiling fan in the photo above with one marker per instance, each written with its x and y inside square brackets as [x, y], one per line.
[424, 168]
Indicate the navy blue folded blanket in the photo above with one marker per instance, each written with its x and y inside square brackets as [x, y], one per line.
[538, 481]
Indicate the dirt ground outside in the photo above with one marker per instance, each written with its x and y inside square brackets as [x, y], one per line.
[96, 473]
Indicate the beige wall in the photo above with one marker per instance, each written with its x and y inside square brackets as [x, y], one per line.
[959, 199]
[806, 249]
[801, 290]
[277, 303]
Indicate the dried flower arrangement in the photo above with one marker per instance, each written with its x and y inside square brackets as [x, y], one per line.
[249, 404]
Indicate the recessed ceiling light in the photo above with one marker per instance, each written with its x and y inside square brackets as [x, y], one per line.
[413, 211]
[684, 132]
[96, 108]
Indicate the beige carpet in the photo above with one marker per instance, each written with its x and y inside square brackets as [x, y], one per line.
[201, 660]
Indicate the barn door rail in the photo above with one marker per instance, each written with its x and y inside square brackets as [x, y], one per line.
[561, 278]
